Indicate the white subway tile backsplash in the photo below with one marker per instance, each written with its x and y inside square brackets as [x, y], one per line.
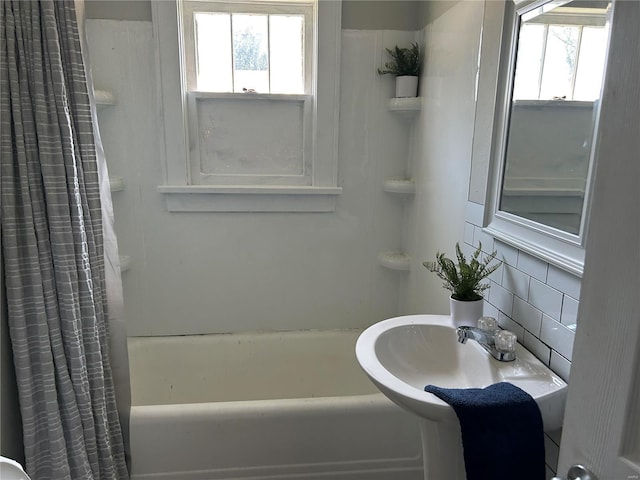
[535, 300]
[467, 250]
[545, 298]
[483, 238]
[506, 253]
[474, 213]
[527, 315]
[508, 324]
[535, 346]
[501, 298]
[497, 276]
[556, 436]
[557, 336]
[551, 452]
[533, 266]
[468, 232]
[569, 315]
[489, 310]
[560, 365]
[564, 281]
[515, 281]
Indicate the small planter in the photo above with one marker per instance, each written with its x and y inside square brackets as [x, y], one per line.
[405, 65]
[406, 86]
[465, 313]
[465, 280]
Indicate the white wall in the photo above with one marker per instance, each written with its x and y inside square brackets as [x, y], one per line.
[441, 159]
[223, 272]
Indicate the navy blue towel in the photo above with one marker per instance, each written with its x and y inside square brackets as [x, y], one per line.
[502, 435]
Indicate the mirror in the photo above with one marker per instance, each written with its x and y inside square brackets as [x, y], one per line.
[559, 65]
[550, 76]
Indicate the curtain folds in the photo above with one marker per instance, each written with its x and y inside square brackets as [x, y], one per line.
[53, 247]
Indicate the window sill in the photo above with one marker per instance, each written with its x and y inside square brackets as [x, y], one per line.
[282, 97]
[239, 198]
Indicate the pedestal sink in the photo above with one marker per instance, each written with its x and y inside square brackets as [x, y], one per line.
[403, 354]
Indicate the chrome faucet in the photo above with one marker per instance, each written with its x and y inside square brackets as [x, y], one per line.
[487, 339]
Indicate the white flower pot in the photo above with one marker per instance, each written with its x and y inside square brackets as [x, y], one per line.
[465, 313]
[406, 86]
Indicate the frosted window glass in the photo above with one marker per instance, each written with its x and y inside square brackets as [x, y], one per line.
[261, 137]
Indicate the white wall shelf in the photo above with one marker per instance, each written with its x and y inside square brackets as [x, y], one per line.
[104, 97]
[400, 186]
[405, 106]
[395, 261]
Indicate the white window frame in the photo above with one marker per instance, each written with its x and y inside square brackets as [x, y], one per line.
[319, 190]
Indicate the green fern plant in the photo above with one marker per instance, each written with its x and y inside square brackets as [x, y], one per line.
[464, 279]
[405, 61]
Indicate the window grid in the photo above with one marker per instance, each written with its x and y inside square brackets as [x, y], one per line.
[304, 10]
[233, 55]
[574, 73]
[574, 70]
[545, 37]
[269, 51]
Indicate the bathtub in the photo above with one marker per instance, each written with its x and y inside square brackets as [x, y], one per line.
[291, 405]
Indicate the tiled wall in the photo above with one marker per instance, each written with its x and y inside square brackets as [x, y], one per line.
[536, 300]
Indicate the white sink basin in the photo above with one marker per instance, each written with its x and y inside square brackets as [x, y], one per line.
[402, 355]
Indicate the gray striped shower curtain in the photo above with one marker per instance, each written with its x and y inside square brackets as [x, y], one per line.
[53, 247]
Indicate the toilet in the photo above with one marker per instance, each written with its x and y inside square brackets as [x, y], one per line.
[11, 470]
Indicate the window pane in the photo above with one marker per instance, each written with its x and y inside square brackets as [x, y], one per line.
[287, 53]
[591, 64]
[559, 62]
[529, 62]
[250, 53]
[213, 52]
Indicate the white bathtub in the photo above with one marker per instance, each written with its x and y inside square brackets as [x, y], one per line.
[291, 405]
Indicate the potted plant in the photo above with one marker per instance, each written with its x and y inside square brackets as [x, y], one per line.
[464, 280]
[405, 64]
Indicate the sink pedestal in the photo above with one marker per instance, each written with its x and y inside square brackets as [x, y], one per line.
[442, 450]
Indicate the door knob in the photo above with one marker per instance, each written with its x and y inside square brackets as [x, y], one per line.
[578, 472]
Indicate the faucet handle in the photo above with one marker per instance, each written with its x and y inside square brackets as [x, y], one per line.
[487, 324]
[505, 341]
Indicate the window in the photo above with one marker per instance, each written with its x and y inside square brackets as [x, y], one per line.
[257, 48]
[250, 103]
[560, 61]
